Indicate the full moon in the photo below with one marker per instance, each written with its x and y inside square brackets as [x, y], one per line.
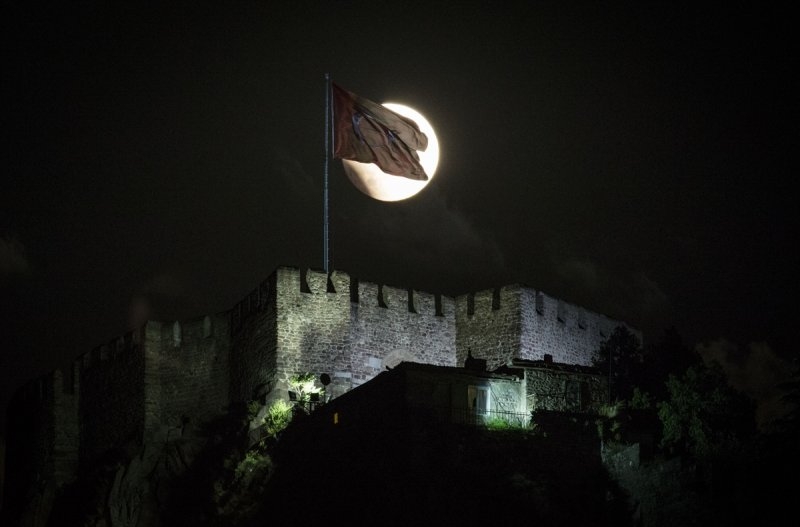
[374, 182]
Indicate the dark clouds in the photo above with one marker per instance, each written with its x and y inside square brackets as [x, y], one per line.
[755, 370]
[627, 294]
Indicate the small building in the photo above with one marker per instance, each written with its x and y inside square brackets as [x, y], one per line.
[419, 393]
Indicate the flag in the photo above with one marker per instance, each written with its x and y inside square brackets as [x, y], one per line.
[368, 132]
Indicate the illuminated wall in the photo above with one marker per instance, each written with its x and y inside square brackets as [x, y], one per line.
[168, 375]
[517, 322]
[354, 330]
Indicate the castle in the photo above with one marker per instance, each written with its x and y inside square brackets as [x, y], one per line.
[150, 383]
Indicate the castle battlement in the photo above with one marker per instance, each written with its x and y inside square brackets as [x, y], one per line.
[112, 350]
[365, 294]
[165, 375]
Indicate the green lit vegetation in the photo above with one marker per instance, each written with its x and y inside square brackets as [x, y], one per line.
[241, 485]
[278, 416]
[609, 423]
[501, 423]
[303, 384]
[703, 416]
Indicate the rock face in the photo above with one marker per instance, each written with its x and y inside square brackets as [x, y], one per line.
[130, 489]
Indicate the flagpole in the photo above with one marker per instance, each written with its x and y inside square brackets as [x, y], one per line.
[325, 247]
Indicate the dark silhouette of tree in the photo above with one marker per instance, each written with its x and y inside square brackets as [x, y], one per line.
[703, 416]
[789, 423]
[670, 355]
[621, 357]
[773, 475]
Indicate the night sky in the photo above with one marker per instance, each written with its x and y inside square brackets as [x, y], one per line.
[633, 158]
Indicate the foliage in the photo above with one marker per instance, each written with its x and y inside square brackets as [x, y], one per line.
[702, 415]
[252, 462]
[611, 410]
[277, 417]
[252, 410]
[503, 423]
[621, 356]
[783, 434]
[609, 426]
[640, 400]
[239, 494]
[304, 385]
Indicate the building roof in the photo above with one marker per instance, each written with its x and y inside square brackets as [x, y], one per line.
[553, 366]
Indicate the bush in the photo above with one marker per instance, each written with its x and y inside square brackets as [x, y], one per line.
[277, 417]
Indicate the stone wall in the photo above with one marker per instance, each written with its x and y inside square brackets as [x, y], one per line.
[187, 377]
[570, 333]
[313, 325]
[516, 322]
[66, 427]
[488, 325]
[392, 325]
[111, 388]
[254, 343]
[354, 330]
[167, 374]
[661, 492]
[565, 391]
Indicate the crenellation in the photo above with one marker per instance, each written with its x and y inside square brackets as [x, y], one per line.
[424, 303]
[483, 301]
[340, 282]
[177, 334]
[395, 297]
[317, 281]
[368, 294]
[173, 373]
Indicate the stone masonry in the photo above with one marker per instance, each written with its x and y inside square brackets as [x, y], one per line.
[166, 375]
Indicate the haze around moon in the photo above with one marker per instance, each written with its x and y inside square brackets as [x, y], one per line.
[373, 182]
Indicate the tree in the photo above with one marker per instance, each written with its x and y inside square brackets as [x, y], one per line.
[703, 416]
[668, 356]
[620, 355]
[304, 388]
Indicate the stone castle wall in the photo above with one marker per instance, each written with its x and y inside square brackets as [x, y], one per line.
[519, 322]
[253, 349]
[570, 333]
[564, 391]
[111, 391]
[488, 326]
[186, 372]
[66, 425]
[164, 375]
[353, 330]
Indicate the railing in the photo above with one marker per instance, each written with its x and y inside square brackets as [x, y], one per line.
[470, 416]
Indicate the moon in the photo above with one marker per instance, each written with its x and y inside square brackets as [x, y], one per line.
[377, 184]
